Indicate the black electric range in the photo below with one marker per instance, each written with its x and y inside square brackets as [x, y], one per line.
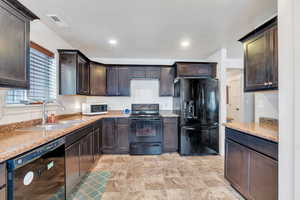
[146, 135]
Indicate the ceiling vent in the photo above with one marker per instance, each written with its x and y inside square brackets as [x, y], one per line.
[59, 22]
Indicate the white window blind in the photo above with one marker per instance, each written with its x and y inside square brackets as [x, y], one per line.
[42, 80]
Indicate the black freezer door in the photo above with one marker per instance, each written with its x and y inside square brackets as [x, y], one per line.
[207, 105]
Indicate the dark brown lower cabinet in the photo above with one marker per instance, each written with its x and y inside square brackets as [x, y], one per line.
[122, 135]
[263, 180]
[170, 130]
[250, 172]
[2, 181]
[72, 167]
[115, 133]
[79, 156]
[109, 137]
[86, 154]
[97, 141]
[237, 164]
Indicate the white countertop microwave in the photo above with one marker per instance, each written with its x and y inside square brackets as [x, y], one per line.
[94, 108]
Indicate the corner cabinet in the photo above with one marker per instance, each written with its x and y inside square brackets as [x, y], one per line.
[261, 58]
[251, 165]
[14, 36]
[74, 73]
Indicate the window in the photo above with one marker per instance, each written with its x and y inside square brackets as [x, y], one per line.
[42, 78]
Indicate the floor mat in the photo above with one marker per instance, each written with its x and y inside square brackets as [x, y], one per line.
[92, 186]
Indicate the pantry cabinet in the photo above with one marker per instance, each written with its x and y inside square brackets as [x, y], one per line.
[74, 73]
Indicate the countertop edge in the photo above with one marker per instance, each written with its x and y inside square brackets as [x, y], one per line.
[252, 133]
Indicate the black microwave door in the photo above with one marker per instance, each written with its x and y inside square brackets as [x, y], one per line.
[98, 108]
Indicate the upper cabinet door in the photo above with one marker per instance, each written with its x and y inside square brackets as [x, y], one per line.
[261, 57]
[123, 81]
[118, 82]
[273, 58]
[112, 81]
[191, 69]
[83, 75]
[166, 85]
[14, 39]
[97, 79]
[256, 63]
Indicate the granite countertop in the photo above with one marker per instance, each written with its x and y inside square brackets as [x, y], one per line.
[19, 141]
[263, 131]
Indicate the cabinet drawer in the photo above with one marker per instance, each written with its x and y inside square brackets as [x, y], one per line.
[258, 144]
[75, 136]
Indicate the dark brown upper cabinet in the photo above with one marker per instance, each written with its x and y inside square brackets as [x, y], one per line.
[118, 82]
[144, 72]
[261, 58]
[74, 73]
[196, 69]
[14, 36]
[97, 79]
[166, 85]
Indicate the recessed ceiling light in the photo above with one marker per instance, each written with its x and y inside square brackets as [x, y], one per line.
[112, 41]
[185, 43]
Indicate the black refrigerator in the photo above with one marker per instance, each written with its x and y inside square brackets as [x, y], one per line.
[197, 102]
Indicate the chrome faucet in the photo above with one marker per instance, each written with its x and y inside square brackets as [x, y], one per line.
[44, 111]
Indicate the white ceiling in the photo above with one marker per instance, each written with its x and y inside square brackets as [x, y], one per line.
[153, 28]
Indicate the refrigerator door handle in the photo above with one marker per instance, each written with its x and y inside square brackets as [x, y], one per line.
[189, 128]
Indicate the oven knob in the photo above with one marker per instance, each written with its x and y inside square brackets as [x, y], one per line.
[19, 161]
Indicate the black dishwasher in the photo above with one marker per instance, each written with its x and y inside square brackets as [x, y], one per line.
[38, 174]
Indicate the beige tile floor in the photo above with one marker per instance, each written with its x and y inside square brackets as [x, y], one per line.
[165, 177]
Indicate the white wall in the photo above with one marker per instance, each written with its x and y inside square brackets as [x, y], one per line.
[45, 37]
[142, 91]
[266, 105]
[289, 98]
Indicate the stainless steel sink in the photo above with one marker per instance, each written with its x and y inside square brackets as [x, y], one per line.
[51, 127]
[76, 121]
[47, 127]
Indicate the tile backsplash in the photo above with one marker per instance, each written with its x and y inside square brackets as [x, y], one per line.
[266, 105]
[141, 91]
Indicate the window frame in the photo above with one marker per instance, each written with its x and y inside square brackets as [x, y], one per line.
[51, 55]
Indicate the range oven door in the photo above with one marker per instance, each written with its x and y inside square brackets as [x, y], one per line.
[145, 130]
